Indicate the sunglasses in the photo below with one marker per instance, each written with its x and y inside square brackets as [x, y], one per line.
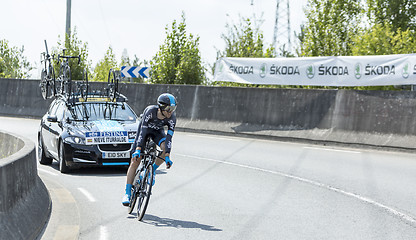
[169, 109]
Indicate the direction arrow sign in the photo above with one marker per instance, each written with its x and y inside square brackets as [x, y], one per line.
[135, 72]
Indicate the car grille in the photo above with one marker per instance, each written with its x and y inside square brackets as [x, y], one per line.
[115, 147]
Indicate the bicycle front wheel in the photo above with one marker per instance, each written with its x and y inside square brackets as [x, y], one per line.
[144, 192]
[134, 191]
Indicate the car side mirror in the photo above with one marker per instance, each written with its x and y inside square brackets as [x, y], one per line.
[52, 118]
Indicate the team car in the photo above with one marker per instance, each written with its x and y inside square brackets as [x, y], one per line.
[94, 131]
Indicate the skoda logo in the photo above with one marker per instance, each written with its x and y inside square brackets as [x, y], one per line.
[357, 70]
[405, 72]
[263, 68]
[310, 71]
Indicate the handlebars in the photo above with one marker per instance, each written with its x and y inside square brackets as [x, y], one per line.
[69, 57]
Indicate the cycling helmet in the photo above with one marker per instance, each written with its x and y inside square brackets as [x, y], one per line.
[167, 102]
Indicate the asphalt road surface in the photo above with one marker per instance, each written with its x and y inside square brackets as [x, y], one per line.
[239, 188]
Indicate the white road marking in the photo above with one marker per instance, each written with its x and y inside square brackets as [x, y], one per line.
[48, 172]
[370, 201]
[333, 150]
[87, 194]
[214, 137]
[103, 233]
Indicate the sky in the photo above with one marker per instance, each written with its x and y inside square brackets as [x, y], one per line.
[132, 25]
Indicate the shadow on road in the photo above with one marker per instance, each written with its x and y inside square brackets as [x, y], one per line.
[167, 222]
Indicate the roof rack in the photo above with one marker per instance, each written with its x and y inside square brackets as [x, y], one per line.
[62, 87]
[96, 96]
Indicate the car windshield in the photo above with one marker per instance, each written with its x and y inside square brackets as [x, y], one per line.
[101, 111]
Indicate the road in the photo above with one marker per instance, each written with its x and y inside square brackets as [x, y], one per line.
[240, 188]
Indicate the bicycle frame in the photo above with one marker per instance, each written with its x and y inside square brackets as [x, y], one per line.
[142, 188]
[65, 79]
[47, 83]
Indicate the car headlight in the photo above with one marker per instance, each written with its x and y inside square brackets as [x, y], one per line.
[76, 140]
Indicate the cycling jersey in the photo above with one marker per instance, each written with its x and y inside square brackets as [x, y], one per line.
[151, 125]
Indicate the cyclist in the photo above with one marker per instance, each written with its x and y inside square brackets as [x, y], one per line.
[154, 118]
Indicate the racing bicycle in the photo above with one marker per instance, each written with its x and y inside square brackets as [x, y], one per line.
[47, 82]
[143, 179]
[65, 78]
[112, 84]
[82, 87]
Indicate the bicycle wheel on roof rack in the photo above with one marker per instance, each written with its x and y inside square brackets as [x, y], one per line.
[44, 85]
[111, 85]
[84, 86]
[68, 81]
[52, 83]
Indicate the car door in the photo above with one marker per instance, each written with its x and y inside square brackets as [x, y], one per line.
[46, 125]
[55, 128]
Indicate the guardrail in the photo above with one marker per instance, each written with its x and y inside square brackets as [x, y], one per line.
[24, 200]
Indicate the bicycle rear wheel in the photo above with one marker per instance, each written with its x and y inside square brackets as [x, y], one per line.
[144, 192]
[44, 85]
[111, 91]
[67, 82]
[51, 81]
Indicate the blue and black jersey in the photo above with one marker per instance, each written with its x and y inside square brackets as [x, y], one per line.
[151, 125]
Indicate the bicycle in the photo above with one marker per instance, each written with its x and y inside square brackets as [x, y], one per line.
[142, 188]
[112, 84]
[65, 79]
[47, 82]
[82, 87]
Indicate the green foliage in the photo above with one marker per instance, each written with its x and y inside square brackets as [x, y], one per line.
[178, 60]
[398, 14]
[245, 40]
[73, 47]
[330, 27]
[382, 39]
[103, 67]
[13, 64]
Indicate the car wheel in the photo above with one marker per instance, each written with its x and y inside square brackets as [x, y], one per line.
[41, 153]
[62, 163]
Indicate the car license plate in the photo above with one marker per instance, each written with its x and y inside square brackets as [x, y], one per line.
[108, 155]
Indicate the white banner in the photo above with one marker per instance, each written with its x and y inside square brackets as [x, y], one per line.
[320, 71]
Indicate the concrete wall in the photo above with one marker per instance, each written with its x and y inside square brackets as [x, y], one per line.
[376, 118]
[24, 200]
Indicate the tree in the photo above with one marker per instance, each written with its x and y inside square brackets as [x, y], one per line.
[13, 64]
[331, 26]
[178, 60]
[245, 40]
[398, 14]
[73, 47]
[103, 67]
[382, 39]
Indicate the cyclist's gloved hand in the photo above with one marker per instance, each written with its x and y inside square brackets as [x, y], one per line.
[168, 162]
[136, 154]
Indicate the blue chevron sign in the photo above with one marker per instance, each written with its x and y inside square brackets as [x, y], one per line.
[135, 72]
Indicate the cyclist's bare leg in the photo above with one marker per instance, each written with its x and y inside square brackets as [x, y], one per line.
[134, 163]
[161, 160]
